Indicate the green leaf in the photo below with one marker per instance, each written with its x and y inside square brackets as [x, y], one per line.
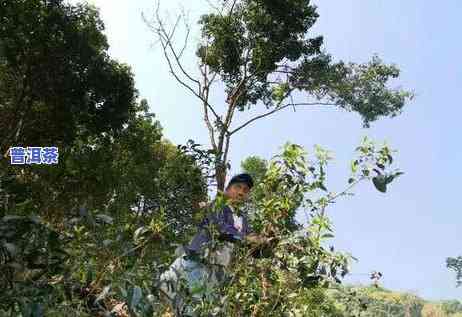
[380, 183]
[391, 177]
[321, 185]
[397, 174]
[390, 158]
[354, 166]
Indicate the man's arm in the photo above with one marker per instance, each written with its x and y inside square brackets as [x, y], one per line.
[227, 230]
[229, 233]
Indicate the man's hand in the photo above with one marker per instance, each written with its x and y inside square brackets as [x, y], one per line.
[260, 246]
[204, 204]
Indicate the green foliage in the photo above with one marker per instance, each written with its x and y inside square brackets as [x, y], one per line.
[372, 165]
[262, 46]
[361, 88]
[57, 81]
[248, 36]
[372, 301]
[119, 224]
[256, 167]
[452, 306]
[295, 264]
[455, 264]
[91, 235]
[81, 237]
[32, 253]
[261, 52]
[377, 301]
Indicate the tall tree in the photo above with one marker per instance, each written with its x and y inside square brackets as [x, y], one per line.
[261, 52]
[111, 209]
[57, 80]
[68, 229]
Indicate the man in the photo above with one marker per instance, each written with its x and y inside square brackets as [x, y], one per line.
[202, 276]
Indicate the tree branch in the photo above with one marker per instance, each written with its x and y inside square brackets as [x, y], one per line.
[162, 32]
[205, 94]
[186, 39]
[232, 100]
[232, 7]
[276, 110]
[165, 38]
[227, 142]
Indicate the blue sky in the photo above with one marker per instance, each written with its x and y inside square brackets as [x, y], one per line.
[408, 232]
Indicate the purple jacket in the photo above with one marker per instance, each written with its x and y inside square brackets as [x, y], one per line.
[225, 225]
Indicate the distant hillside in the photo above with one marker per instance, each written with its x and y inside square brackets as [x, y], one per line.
[379, 302]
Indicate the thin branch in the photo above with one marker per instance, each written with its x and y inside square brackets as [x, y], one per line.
[292, 102]
[174, 73]
[232, 100]
[173, 30]
[166, 43]
[345, 191]
[232, 7]
[161, 31]
[290, 95]
[212, 80]
[227, 142]
[234, 97]
[210, 127]
[186, 39]
[207, 120]
[276, 110]
[205, 95]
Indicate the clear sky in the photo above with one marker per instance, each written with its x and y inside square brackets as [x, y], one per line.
[408, 232]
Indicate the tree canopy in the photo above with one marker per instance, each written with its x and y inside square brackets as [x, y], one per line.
[119, 190]
[264, 54]
[57, 81]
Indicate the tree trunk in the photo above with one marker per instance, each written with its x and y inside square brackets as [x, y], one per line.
[221, 178]
[220, 172]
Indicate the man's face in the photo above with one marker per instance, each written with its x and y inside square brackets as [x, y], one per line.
[238, 192]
